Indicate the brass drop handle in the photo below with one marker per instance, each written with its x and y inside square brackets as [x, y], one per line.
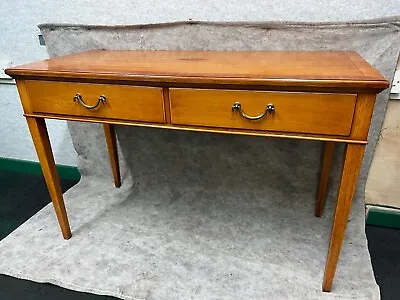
[270, 108]
[78, 97]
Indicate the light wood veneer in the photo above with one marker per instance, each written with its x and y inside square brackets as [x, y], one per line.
[122, 101]
[322, 113]
[327, 96]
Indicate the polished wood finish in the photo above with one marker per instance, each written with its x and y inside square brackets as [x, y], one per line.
[267, 68]
[167, 105]
[351, 167]
[111, 140]
[24, 96]
[38, 130]
[362, 116]
[318, 95]
[266, 133]
[294, 112]
[364, 66]
[326, 167]
[122, 101]
[352, 163]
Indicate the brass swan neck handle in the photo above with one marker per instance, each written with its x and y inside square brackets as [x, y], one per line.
[270, 108]
[78, 97]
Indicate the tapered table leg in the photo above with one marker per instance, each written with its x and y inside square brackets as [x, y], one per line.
[326, 167]
[109, 132]
[38, 130]
[351, 167]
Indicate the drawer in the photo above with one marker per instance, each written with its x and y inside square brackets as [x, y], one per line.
[319, 113]
[121, 101]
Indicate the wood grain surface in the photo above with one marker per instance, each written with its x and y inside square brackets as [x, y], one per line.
[122, 102]
[294, 112]
[326, 167]
[276, 68]
[317, 95]
[40, 137]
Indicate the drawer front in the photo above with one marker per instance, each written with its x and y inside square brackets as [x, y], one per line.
[318, 113]
[121, 101]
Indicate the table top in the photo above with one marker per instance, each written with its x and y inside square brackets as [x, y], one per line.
[345, 69]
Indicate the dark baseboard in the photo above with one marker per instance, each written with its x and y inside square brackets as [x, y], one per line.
[384, 217]
[33, 167]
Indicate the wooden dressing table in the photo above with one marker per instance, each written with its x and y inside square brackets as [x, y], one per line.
[325, 96]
